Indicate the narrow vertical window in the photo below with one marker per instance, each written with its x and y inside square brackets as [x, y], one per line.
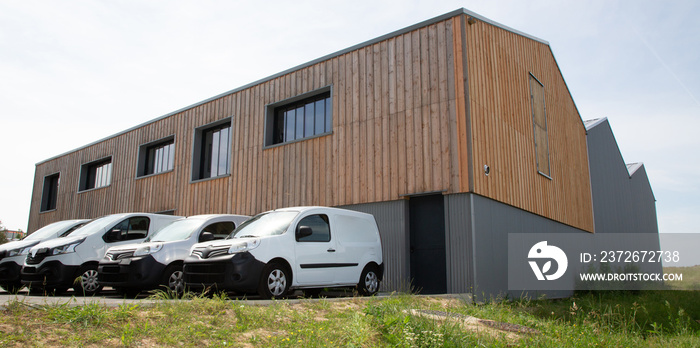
[212, 153]
[539, 121]
[49, 195]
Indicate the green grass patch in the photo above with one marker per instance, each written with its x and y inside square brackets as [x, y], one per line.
[598, 319]
[691, 278]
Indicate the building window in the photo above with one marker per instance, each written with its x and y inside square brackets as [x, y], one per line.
[301, 117]
[49, 195]
[539, 121]
[95, 174]
[212, 151]
[156, 157]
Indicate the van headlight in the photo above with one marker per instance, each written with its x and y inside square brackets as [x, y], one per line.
[246, 245]
[148, 249]
[18, 251]
[65, 249]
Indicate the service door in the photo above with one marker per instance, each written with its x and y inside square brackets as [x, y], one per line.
[427, 244]
[315, 254]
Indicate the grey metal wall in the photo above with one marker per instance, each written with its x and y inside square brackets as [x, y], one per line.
[620, 204]
[392, 219]
[492, 222]
[643, 204]
[458, 243]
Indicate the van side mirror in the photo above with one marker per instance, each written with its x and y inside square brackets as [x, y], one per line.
[303, 231]
[206, 236]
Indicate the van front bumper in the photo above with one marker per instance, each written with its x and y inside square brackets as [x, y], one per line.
[10, 274]
[238, 272]
[142, 272]
[49, 275]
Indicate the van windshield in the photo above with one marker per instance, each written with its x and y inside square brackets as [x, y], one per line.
[97, 225]
[178, 230]
[49, 230]
[265, 224]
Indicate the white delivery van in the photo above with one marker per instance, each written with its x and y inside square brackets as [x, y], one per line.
[12, 254]
[71, 261]
[292, 248]
[157, 261]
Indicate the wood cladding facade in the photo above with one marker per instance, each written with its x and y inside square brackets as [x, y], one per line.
[413, 112]
[499, 65]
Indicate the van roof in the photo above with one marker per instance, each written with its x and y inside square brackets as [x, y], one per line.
[337, 210]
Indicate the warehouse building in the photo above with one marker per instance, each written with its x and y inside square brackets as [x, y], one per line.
[453, 132]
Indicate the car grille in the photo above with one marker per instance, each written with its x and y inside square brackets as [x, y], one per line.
[209, 251]
[36, 259]
[109, 269]
[204, 273]
[112, 277]
[118, 255]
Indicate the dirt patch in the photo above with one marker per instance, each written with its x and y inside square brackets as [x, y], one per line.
[512, 332]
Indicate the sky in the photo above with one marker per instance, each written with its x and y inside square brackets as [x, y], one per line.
[74, 72]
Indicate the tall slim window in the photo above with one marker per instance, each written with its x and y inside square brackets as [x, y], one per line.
[539, 121]
[301, 117]
[212, 155]
[156, 157]
[95, 174]
[49, 195]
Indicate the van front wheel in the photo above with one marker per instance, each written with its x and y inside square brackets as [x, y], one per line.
[369, 281]
[275, 280]
[87, 284]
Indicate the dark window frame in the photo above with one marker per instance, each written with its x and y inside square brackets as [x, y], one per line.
[279, 130]
[323, 217]
[539, 127]
[203, 153]
[148, 157]
[92, 171]
[49, 192]
[219, 229]
[127, 234]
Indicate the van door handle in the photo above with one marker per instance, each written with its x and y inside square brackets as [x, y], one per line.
[331, 250]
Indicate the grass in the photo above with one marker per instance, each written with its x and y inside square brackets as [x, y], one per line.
[691, 278]
[602, 319]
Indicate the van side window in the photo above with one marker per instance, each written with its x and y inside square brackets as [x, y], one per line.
[320, 229]
[129, 229]
[220, 230]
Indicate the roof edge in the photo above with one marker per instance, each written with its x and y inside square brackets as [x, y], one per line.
[594, 122]
[633, 167]
[425, 23]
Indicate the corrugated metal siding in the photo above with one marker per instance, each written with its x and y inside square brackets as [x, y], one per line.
[643, 203]
[493, 221]
[392, 219]
[621, 204]
[458, 238]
